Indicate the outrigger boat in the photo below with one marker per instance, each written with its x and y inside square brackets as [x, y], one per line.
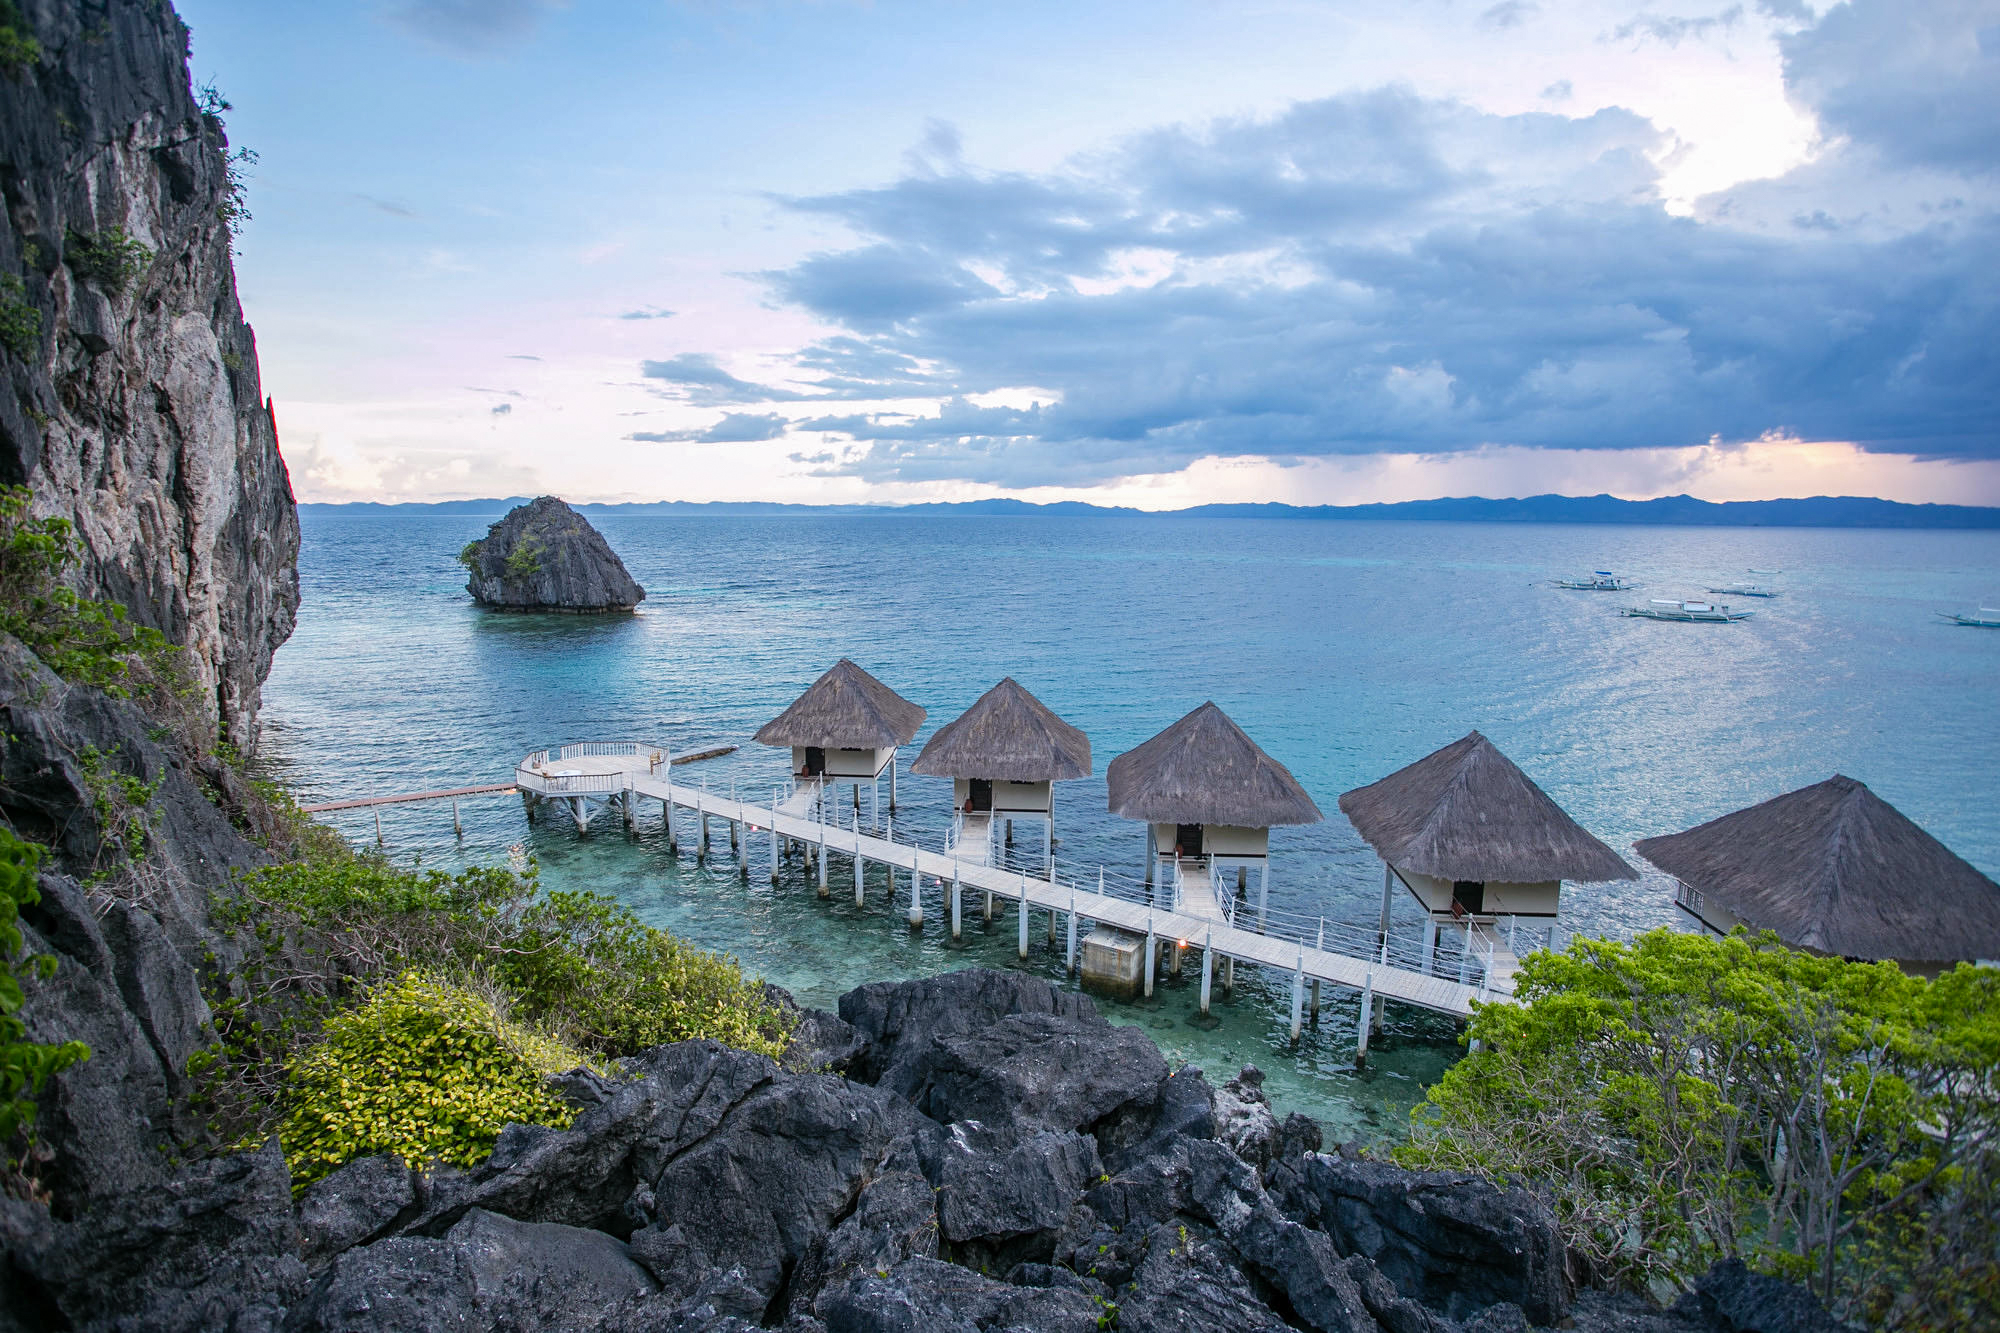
[1986, 617]
[1602, 580]
[1660, 608]
[1745, 590]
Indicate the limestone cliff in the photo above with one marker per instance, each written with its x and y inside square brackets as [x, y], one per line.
[131, 403]
[544, 556]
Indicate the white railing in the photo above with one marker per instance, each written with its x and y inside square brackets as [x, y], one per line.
[569, 784]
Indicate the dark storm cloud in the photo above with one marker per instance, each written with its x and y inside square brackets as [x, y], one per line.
[1384, 271]
[734, 428]
[1921, 83]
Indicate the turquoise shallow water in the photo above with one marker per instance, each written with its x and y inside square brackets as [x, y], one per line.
[1345, 649]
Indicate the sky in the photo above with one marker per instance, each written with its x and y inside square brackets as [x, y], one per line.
[1152, 254]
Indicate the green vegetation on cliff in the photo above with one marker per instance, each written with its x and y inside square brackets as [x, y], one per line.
[1683, 1099]
[326, 939]
[25, 1066]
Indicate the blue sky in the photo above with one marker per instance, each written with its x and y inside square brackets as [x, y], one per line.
[1151, 254]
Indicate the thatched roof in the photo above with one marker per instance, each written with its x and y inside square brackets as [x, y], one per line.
[845, 709]
[1466, 812]
[1836, 868]
[1204, 770]
[1008, 735]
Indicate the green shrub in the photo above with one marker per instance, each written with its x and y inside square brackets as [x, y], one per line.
[525, 560]
[20, 322]
[18, 48]
[89, 642]
[25, 1066]
[316, 934]
[1683, 1099]
[425, 1070]
[108, 258]
[469, 556]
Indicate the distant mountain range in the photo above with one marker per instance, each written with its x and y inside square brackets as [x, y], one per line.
[1820, 511]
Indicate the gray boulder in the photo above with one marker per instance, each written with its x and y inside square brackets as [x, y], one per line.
[990, 1192]
[544, 556]
[1732, 1299]
[1186, 1284]
[926, 1296]
[900, 1019]
[895, 1219]
[1243, 1118]
[1457, 1243]
[353, 1206]
[1037, 1071]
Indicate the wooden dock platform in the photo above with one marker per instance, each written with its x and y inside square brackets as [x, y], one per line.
[1350, 957]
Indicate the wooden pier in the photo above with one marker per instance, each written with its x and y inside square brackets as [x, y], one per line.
[1191, 913]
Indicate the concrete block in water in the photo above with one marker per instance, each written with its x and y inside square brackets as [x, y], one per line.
[1113, 961]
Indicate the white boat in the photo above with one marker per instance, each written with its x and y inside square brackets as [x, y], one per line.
[1602, 580]
[1660, 608]
[1745, 590]
[1986, 617]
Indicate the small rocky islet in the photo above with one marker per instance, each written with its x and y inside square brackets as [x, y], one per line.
[544, 556]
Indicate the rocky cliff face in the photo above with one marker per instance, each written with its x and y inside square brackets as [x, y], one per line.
[131, 402]
[544, 556]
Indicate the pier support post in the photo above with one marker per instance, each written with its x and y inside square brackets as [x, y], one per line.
[1010, 833]
[458, 829]
[378, 825]
[1367, 1020]
[1315, 1003]
[1388, 883]
[822, 862]
[916, 893]
[1263, 892]
[1069, 952]
[1052, 910]
[1229, 978]
[1430, 944]
[701, 809]
[957, 933]
[1152, 955]
[1465, 955]
[667, 819]
[1152, 855]
[1174, 952]
[892, 784]
[774, 835]
[860, 877]
[1024, 917]
[1207, 969]
[987, 915]
[1299, 998]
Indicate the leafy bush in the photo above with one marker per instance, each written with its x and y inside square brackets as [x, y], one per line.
[426, 1070]
[469, 556]
[525, 560]
[317, 934]
[20, 322]
[24, 1065]
[1683, 1099]
[18, 47]
[109, 258]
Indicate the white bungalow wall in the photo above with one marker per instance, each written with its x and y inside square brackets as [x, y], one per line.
[1010, 798]
[847, 764]
[1500, 900]
[1221, 840]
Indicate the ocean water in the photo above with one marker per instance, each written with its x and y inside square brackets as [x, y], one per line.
[1345, 649]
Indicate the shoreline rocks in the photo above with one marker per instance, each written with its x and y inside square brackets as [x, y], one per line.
[544, 556]
[1000, 1158]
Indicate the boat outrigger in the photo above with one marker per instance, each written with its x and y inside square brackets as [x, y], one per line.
[1660, 608]
[1986, 617]
[1602, 580]
[1745, 590]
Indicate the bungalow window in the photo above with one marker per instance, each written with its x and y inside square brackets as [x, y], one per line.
[1187, 839]
[1468, 897]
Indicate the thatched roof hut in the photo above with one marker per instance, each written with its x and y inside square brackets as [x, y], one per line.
[845, 709]
[1204, 770]
[1467, 812]
[1008, 735]
[1835, 868]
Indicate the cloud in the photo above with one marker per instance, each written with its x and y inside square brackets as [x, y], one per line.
[1509, 14]
[523, 356]
[1673, 30]
[1559, 91]
[1920, 83]
[734, 428]
[470, 28]
[389, 206]
[701, 381]
[502, 409]
[648, 312]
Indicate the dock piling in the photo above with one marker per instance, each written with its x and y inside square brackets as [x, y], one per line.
[1299, 997]
[1367, 1012]
[1024, 916]
[1069, 953]
[457, 828]
[1207, 968]
[957, 932]
[1152, 955]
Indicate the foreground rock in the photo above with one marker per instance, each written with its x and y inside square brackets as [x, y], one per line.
[544, 556]
[999, 1157]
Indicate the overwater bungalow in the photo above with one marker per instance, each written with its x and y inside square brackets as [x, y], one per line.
[1004, 756]
[846, 727]
[1474, 839]
[1209, 797]
[1834, 869]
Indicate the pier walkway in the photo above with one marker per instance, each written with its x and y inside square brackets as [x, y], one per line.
[1191, 913]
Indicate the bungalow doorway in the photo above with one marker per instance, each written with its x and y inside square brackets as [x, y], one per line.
[1468, 897]
[980, 797]
[815, 761]
[1187, 839]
